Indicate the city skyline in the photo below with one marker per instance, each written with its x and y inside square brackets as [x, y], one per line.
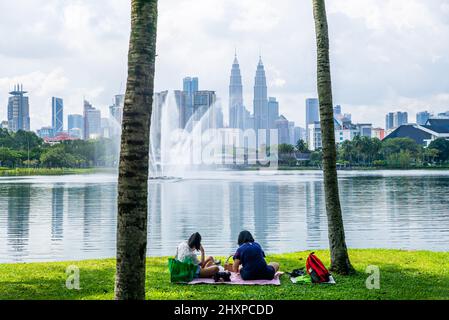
[401, 43]
[191, 99]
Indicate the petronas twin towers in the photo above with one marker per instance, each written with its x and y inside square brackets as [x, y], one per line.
[239, 117]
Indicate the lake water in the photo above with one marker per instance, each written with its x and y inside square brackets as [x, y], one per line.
[74, 217]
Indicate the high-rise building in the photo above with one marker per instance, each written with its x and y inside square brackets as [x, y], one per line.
[312, 111]
[422, 117]
[18, 110]
[116, 110]
[105, 128]
[400, 118]
[389, 121]
[190, 86]
[345, 130]
[218, 120]
[249, 120]
[57, 115]
[185, 99]
[260, 98]
[300, 134]
[185, 111]
[236, 107]
[291, 133]
[312, 115]
[337, 111]
[314, 136]
[282, 124]
[92, 122]
[273, 112]
[202, 102]
[75, 121]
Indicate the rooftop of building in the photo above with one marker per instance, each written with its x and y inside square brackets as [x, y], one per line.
[437, 125]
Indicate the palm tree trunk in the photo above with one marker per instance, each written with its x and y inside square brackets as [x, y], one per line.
[134, 154]
[339, 254]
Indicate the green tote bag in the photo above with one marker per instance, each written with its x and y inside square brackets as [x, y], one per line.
[181, 271]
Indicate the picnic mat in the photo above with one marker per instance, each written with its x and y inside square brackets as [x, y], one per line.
[237, 280]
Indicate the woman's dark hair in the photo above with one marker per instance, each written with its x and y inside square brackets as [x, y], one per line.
[195, 241]
[244, 237]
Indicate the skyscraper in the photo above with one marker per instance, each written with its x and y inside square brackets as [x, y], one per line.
[184, 111]
[260, 98]
[300, 134]
[291, 133]
[236, 108]
[57, 115]
[282, 124]
[312, 111]
[422, 117]
[190, 86]
[202, 102]
[400, 118]
[395, 119]
[75, 121]
[18, 110]
[337, 111]
[75, 125]
[116, 110]
[92, 122]
[273, 112]
[389, 121]
[312, 115]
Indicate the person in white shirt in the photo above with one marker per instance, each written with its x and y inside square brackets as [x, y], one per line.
[187, 250]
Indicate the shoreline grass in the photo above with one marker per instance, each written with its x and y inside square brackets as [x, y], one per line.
[17, 172]
[23, 172]
[404, 275]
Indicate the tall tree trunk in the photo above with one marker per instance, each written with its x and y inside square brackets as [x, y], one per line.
[134, 154]
[339, 254]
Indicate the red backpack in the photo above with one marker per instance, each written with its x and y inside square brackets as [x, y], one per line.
[316, 269]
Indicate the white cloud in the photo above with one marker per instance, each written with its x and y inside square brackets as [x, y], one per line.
[254, 16]
[385, 54]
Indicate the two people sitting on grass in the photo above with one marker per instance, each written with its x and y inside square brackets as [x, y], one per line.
[187, 250]
[249, 260]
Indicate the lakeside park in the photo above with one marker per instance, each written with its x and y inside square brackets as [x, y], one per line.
[180, 196]
[70, 219]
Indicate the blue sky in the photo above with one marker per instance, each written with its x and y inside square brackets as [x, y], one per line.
[386, 55]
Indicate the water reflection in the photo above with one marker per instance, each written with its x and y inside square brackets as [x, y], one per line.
[75, 218]
[266, 212]
[18, 221]
[314, 211]
[57, 206]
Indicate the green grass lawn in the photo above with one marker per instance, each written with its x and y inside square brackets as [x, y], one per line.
[403, 275]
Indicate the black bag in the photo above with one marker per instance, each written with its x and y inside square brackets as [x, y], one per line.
[296, 273]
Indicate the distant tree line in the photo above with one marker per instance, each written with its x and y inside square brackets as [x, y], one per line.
[398, 153]
[26, 149]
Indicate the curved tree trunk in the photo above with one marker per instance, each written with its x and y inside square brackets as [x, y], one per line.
[339, 254]
[134, 153]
